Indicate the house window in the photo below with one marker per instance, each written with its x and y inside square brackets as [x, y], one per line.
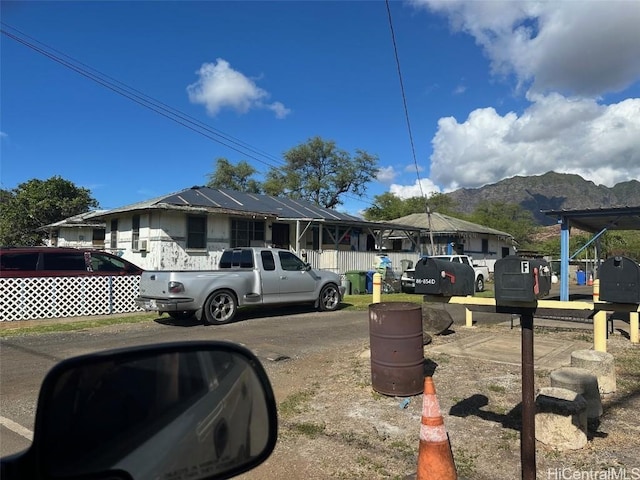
[98, 237]
[485, 245]
[113, 234]
[135, 232]
[243, 232]
[196, 231]
[329, 235]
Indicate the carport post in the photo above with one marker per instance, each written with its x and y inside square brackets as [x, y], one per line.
[564, 260]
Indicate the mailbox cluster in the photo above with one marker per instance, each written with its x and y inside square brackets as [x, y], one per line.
[620, 280]
[521, 280]
[435, 276]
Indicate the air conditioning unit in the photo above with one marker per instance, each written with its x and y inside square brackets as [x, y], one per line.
[142, 245]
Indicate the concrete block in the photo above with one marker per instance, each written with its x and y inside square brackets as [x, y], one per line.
[561, 418]
[580, 381]
[601, 364]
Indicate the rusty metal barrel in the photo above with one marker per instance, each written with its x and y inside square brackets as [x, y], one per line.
[397, 356]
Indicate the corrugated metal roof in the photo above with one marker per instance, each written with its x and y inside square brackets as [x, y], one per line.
[595, 219]
[444, 224]
[241, 202]
[86, 219]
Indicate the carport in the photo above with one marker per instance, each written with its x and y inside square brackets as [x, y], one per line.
[594, 221]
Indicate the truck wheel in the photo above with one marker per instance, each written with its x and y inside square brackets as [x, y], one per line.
[329, 298]
[480, 284]
[182, 314]
[220, 308]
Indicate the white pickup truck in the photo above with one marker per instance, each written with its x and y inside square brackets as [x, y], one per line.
[408, 284]
[245, 276]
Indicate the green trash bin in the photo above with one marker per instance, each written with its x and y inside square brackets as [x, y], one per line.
[358, 280]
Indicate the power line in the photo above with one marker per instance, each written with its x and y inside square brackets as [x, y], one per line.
[404, 97]
[406, 114]
[151, 103]
[143, 100]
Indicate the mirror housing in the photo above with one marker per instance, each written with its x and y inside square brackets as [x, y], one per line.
[198, 410]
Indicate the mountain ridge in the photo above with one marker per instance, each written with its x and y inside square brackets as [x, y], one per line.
[549, 191]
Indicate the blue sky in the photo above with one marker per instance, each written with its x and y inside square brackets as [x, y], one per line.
[493, 89]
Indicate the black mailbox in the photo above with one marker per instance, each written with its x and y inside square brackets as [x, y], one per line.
[435, 276]
[619, 280]
[518, 279]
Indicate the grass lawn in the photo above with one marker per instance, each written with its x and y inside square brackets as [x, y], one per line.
[350, 303]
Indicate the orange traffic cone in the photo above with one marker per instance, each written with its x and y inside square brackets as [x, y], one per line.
[590, 281]
[435, 460]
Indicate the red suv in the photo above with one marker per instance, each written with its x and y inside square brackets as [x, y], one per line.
[61, 262]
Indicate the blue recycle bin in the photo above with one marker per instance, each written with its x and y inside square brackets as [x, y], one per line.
[581, 277]
[369, 284]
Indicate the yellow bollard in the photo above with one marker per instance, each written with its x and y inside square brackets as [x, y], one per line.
[633, 326]
[377, 287]
[600, 331]
[596, 290]
[468, 318]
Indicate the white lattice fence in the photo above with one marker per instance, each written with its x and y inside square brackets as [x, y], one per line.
[56, 297]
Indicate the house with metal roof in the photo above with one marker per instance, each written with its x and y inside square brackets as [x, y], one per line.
[189, 229]
[79, 231]
[442, 234]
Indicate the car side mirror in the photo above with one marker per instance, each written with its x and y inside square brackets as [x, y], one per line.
[197, 410]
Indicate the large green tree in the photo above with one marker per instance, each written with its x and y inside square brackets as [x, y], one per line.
[37, 203]
[507, 217]
[235, 177]
[626, 243]
[322, 173]
[389, 206]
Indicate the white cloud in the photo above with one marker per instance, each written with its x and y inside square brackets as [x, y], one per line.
[579, 48]
[582, 49]
[279, 109]
[598, 142]
[460, 89]
[409, 191]
[412, 167]
[220, 86]
[3, 135]
[386, 175]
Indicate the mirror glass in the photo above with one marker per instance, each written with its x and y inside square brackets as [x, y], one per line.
[178, 415]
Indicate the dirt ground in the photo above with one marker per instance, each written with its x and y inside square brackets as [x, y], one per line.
[334, 425]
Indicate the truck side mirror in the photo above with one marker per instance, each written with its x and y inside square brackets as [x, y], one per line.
[198, 410]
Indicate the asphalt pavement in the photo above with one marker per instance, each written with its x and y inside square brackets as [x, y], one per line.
[273, 335]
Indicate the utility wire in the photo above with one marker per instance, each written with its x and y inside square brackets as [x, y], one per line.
[404, 97]
[144, 100]
[150, 103]
[406, 114]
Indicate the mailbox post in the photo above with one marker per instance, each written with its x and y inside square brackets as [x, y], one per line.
[519, 283]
